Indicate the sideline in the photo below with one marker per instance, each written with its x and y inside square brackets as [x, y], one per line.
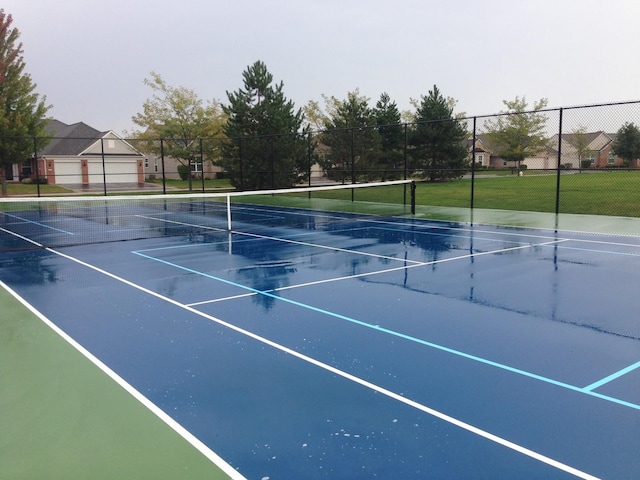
[62, 418]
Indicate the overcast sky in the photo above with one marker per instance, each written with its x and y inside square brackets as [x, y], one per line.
[90, 57]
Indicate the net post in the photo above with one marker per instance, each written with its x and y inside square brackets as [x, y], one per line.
[413, 197]
[229, 212]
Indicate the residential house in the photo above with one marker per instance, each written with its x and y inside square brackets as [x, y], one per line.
[595, 148]
[485, 155]
[81, 155]
[157, 167]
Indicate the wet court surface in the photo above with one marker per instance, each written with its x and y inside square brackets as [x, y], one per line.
[368, 349]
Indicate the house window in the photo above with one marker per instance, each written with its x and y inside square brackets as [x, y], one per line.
[155, 165]
[611, 158]
[111, 144]
[146, 163]
[26, 169]
[480, 159]
[591, 157]
[196, 165]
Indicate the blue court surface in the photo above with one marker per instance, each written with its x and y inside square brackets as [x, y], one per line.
[351, 347]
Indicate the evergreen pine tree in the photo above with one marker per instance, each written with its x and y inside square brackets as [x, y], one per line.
[22, 112]
[392, 138]
[352, 138]
[266, 145]
[438, 139]
[627, 143]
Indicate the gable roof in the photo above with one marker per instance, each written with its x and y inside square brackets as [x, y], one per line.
[592, 141]
[70, 139]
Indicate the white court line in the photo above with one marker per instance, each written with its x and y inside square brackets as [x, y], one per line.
[183, 432]
[284, 240]
[414, 264]
[376, 388]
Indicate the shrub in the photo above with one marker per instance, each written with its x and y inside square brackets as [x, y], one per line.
[183, 171]
[33, 180]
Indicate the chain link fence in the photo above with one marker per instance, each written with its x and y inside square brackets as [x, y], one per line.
[579, 168]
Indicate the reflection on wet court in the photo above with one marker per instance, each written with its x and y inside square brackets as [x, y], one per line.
[333, 345]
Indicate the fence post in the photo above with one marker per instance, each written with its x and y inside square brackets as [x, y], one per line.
[404, 153]
[473, 163]
[240, 165]
[104, 168]
[202, 164]
[272, 163]
[35, 156]
[164, 177]
[309, 166]
[558, 165]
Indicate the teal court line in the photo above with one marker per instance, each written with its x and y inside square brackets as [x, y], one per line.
[376, 388]
[271, 294]
[587, 390]
[400, 398]
[612, 377]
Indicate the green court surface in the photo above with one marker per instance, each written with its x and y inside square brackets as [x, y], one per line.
[61, 417]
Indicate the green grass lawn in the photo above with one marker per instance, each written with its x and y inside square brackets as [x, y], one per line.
[614, 193]
[196, 184]
[606, 192]
[32, 189]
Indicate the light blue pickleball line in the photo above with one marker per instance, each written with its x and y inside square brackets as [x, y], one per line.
[612, 377]
[268, 293]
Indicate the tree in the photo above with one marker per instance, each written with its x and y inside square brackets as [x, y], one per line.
[352, 138]
[519, 133]
[438, 139]
[22, 111]
[581, 143]
[392, 139]
[179, 117]
[627, 143]
[266, 146]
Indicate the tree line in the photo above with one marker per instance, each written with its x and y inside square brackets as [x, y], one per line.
[266, 142]
[262, 140]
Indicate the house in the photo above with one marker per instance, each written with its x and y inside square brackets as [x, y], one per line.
[157, 167]
[595, 149]
[81, 155]
[485, 155]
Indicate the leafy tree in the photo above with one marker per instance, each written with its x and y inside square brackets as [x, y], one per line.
[627, 143]
[438, 139]
[179, 117]
[580, 142]
[388, 120]
[266, 146]
[518, 132]
[352, 138]
[22, 111]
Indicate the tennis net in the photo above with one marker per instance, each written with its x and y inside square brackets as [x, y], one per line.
[27, 223]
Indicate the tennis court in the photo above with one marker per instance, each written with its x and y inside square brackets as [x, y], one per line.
[308, 344]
